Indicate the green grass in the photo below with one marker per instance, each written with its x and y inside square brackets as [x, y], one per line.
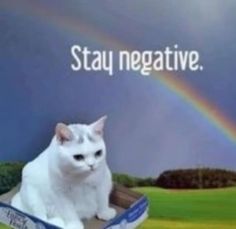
[199, 209]
[211, 209]
[2, 226]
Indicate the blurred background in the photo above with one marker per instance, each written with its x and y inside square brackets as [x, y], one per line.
[155, 123]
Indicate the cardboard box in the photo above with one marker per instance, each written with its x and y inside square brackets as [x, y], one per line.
[132, 210]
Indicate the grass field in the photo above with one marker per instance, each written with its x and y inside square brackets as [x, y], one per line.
[200, 209]
[210, 209]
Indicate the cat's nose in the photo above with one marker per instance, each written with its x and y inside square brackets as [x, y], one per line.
[91, 166]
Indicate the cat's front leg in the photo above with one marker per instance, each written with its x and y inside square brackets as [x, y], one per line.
[105, 212]
[66, 209]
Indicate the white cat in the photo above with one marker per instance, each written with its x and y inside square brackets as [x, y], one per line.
[70, 180]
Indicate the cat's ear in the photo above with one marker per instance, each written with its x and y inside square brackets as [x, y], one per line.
[98, 126]
[63, 133]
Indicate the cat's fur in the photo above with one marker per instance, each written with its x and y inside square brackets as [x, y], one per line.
[70, 180]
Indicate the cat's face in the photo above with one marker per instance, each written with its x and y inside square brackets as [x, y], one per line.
[81, 147]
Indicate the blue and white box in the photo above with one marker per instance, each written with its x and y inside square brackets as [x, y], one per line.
[131, 206]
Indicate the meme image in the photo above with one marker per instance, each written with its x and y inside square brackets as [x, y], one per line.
[117, 114]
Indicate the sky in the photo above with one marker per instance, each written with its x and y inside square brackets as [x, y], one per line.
[150, 127]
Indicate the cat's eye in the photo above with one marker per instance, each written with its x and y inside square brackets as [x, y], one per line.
[79, 157]
[98, 153]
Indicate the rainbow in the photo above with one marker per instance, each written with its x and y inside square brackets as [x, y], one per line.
[173, 83]
[202, 105]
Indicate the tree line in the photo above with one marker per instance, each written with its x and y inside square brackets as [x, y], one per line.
[196, 178]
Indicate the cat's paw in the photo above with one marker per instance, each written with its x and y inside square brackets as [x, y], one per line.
[57, 222]
[107, 214]
[74, 225]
